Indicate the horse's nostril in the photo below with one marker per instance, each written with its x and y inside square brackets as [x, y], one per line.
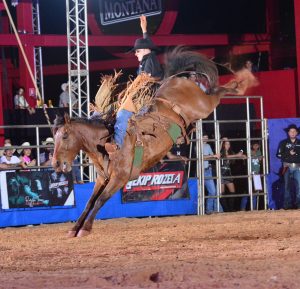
[57, 163]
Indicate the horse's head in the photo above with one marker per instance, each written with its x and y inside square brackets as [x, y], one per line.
[67, 144]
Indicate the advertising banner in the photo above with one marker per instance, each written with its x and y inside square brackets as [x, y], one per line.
[163, 182]
[123, 10]
[29, 189]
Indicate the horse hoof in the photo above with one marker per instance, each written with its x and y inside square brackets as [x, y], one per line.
[83, 233]
[71, 234]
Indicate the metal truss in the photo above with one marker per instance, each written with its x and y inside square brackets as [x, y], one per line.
[38, 58]
[78, 68]
[78, 59]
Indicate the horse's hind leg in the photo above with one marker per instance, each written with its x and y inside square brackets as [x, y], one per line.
[112, 186]
[100, 182]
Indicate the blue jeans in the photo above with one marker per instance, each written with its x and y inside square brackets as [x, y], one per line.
[245, 200]
[76, 171]
[291, 174]
[121, 125]
[211, 203]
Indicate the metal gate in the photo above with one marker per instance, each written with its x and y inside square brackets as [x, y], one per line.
[250, 122]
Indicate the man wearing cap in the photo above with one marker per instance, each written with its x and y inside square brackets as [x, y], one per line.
[208, 155]
[9, 159]
[64, 99]
[47, 153]
[143, 48]
[289, 153]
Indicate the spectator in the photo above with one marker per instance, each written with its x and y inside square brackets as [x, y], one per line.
[47, 153]
[64, 99]
[25, 155]
[178, 154]
[226, 180]
[21, 102]
[250, 66]
[9, 159]
[200, 81]
[211, 203]
[7, 140]
[255, 170]
[289, 153]
[76, 172]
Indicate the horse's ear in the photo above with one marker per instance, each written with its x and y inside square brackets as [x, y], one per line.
[67, 118]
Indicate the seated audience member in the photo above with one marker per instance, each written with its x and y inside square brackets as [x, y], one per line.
[26, 156]
[21, 102]
[6, 141]
[9, 159]
[47, 153]
[227, 153]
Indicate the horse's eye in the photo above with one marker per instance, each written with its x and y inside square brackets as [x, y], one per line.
[65, 135]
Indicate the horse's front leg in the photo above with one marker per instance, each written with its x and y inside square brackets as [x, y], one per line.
[113, 185]
[99, 185]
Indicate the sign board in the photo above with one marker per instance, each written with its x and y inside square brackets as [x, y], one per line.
[164, 182]
[123, 10]
[29, 189]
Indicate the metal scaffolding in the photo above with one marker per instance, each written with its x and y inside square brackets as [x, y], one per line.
[38, 58]
[78, 68]
[78, 57]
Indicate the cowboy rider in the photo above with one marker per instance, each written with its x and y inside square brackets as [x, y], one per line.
[144, 50]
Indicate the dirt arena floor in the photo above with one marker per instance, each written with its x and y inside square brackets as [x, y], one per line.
[237, 250]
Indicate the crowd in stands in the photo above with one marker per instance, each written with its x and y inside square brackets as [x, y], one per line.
[25, 158]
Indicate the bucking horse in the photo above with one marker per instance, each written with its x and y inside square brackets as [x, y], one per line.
[178, 103]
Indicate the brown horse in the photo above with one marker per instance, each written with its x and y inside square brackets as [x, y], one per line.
[178, 100]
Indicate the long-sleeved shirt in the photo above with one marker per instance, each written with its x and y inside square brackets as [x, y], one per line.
[284, 149]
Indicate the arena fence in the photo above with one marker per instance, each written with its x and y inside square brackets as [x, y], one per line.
[241, 128]
[252, 127]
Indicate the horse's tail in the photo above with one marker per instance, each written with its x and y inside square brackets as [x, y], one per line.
[180, 60]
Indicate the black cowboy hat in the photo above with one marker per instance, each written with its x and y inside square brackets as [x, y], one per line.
[291, 126]
[143, 43]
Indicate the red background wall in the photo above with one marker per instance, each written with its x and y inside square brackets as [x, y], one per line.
[279, 91]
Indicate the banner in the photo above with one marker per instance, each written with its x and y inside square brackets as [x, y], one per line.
[29, 189]
[166, 181]
[123, 10]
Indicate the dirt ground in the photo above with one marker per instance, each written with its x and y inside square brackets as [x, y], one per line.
[233, 250]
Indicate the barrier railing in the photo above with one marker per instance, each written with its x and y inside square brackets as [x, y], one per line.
[196, 142]
[262, 128]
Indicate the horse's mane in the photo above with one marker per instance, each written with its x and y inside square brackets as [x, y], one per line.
[96, 122]
[180, 60]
